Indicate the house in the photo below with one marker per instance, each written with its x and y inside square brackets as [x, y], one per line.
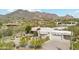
[54, 34]
[70, 23]
[12, 24]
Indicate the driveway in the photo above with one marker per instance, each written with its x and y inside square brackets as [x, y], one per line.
[56, 45]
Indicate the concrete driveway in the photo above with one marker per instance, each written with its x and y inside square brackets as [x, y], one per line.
[56, 45]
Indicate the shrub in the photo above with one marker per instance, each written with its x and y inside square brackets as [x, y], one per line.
[24, 41]
[7, 32]
[28, 29]
[74, 39]
[9, 45]
[0, 35]
[6, 46]
[35, 33]
[1, 24]
[76, 46]
[36, 43]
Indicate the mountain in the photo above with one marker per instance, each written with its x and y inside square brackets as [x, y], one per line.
[32, 15]
[27, 15]
[68, 17]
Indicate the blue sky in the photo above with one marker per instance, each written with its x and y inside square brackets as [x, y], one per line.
[63, 12]
[60, 12]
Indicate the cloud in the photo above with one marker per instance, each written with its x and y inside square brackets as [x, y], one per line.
[10, 10]
[33, 10]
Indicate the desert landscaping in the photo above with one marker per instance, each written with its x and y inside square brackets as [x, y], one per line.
[24, 30]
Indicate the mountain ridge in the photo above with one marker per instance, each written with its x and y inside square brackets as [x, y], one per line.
[25, 14]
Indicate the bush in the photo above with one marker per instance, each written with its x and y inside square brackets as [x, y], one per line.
[9, 45]
[35, 43]
[24, 41]
[28, 29]
[1, 24]
[74, 39]
[76, 46]
[0, 35]
[35, 33]
[6, 46]
[7, 32]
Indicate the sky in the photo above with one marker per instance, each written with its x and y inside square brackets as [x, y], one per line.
[60, 12]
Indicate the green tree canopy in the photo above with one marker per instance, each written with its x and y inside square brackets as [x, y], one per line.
[28, 29]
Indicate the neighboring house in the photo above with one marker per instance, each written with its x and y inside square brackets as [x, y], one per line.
[71, 23]
[12, 24]
[60, 28]
[54, 34]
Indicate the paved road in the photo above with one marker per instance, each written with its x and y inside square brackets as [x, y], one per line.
[56, 45]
